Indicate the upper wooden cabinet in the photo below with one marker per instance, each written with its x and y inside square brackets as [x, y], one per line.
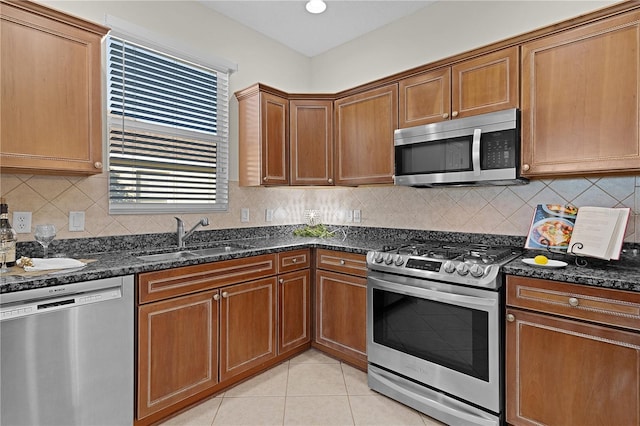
[365, 123]
[487, 83]
[311, 141]
[263, 136]
[580, 103]
[50, 100]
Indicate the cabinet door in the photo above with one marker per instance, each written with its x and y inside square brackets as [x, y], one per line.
[341, 314]
[177, 350]
[485, 84]
[247, 326]
[563, 372]
[50, 100]
[294, 316]
[425, 98]
[580, 103]
[364, 136]
[274, 122]
[311, 142]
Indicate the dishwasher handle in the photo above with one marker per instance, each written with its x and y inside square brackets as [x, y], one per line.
[22, 309]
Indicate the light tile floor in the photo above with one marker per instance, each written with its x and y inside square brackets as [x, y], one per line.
[310, 389]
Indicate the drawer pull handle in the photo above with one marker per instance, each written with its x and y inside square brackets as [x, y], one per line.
[216, 297]
[511, 317]
[225, 294]
[294, 260]
[573, 301]
[342, 262]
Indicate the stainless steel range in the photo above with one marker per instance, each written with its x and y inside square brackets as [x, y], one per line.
[434, 328]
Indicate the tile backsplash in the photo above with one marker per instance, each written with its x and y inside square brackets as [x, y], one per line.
[504, 210]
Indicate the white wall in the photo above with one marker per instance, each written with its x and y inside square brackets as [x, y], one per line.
[440, 30]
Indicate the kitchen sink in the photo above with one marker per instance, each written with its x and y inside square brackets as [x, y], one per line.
[190, 253]
[176, 255]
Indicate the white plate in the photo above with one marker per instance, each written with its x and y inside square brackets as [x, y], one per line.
[550, 263]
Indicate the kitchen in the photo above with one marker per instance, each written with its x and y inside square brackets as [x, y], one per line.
[495, 210]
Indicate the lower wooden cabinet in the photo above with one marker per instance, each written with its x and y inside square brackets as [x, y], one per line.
[204, 327]
[294, 300]
[294, 309]
[247, 326]
[565, 364]
[177, 350]
[341, 305]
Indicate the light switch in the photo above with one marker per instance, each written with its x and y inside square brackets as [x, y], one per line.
[76, 221]
[244, 215]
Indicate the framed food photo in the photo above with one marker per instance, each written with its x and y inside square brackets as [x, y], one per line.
[551, 227]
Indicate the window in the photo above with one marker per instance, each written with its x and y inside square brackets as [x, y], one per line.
[167, 130]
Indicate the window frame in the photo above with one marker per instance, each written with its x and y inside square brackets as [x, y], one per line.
[142, 37]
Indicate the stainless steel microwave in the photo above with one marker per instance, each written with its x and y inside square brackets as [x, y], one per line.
[479, 150]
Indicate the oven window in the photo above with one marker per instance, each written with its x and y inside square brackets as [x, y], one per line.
[451, 336]
[450, 155]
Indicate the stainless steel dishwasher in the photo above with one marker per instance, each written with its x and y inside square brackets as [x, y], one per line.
[67, 354]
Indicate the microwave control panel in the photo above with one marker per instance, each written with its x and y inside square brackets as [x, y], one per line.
[498, 150]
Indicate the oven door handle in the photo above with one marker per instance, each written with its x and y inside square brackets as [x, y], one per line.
[480, 303]
[475, 151]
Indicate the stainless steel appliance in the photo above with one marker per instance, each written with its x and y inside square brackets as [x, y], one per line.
[67, 354]
[478, 150]
[434, 328]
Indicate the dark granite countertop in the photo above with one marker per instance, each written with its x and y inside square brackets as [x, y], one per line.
[622, 274]
[117, 256]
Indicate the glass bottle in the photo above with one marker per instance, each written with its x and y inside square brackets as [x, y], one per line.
[7, 233]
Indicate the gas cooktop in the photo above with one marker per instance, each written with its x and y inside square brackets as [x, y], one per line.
[476, 265]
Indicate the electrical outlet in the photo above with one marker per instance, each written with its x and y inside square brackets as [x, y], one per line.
[357, 216]
[244, 215]
[268, 215]
[76, 221]
[22, 222]
[349, 216]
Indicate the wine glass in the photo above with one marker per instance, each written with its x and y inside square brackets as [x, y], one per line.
[44, 234]
[5, 247]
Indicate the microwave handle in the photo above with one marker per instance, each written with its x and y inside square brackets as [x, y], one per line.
[475, 151]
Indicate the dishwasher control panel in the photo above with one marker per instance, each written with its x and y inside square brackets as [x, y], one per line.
[30, 307]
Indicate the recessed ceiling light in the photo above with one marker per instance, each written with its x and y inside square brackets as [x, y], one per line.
[316, 6]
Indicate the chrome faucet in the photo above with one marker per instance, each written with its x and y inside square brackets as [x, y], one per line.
[182, 235]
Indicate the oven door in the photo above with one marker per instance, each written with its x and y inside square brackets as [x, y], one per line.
[444, 336]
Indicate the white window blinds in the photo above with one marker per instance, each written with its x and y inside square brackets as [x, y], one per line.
[168, 132]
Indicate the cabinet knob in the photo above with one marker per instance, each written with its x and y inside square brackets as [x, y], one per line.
[281, 280]
[445, 115]
[511, 317]
[573, 301]
[97, 165]
[526, 167]
[454, 114]
[342, 262]
[294, 260]
[265, 178]
[216, 297]
[225, 294]
[330, 180]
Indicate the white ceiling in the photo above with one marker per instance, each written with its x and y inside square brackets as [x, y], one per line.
[289, 23]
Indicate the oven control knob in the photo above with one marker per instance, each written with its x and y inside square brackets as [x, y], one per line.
[389, 259]
[462, 268]
[449, 267]
[476, 271]
[378, 258]
[399, 260]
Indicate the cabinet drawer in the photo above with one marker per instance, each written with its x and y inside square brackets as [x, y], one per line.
[293, 260]
[159, 285]
[338, 261]
[613, 307]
